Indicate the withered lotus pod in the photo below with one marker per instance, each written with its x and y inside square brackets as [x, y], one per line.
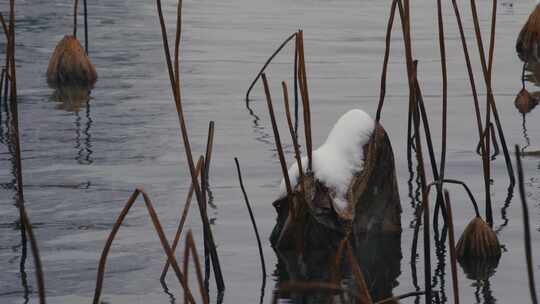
[479, 269]
[478, 241]
[69, 65]
[525, 102]
[527, 45]
[372, 203]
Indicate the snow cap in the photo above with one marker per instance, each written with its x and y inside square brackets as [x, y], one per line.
[340, 157]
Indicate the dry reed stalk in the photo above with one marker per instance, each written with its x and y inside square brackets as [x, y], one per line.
[4, 26]
[75, 13]
[178, 39]
[304, 92]
[364, 296]
[26, 226]
[182, 220]
[490, 102]
[493, 135]
[294, 136]
[279, 147]
[442, 48]
[283, 44]
[388, 41]
[159, 231]
[191, 248]
[485, 161]
[187, 147]
[253, 222]
[209, 149]
[3, 76]
[451, 246]
[526, 228]
[431, 151]
[295, 77]
[85, 27]
[18, 158]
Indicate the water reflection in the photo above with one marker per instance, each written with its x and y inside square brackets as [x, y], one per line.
[379, 257]
[6, 139]
[483, 288]
[74, 99]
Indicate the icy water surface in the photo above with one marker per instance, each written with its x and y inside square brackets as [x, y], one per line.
[82, 161]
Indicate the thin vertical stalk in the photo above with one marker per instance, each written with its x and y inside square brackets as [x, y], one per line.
[253, 222]
[85, 27]
[187, 147]
[295, 77]
[182, 220]
[292, 132]
[209, 149]
[485, 160]
[302, 76]
[177, 41]
[487, 79]
[388, 41]
[75, 8]
[190, 246]
[276, 136]
[526, 228]
[444, 88]
[26, 226]
[452, 247]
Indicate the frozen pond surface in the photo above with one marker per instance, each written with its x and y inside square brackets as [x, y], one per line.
[81, 166]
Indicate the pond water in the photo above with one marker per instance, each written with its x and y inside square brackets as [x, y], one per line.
[82, 161]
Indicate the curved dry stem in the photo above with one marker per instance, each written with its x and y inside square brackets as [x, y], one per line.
[159, 230]
[283, 44]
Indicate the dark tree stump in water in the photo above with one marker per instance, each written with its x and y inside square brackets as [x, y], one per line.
[373, 204]
[69, 65]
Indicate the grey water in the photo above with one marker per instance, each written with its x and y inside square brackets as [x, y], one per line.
[82, 160]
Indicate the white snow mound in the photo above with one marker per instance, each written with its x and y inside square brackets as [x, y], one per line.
[340, 157]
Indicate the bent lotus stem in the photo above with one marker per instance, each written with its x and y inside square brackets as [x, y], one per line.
[469, 193]
[388, 41]
[268, 61]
